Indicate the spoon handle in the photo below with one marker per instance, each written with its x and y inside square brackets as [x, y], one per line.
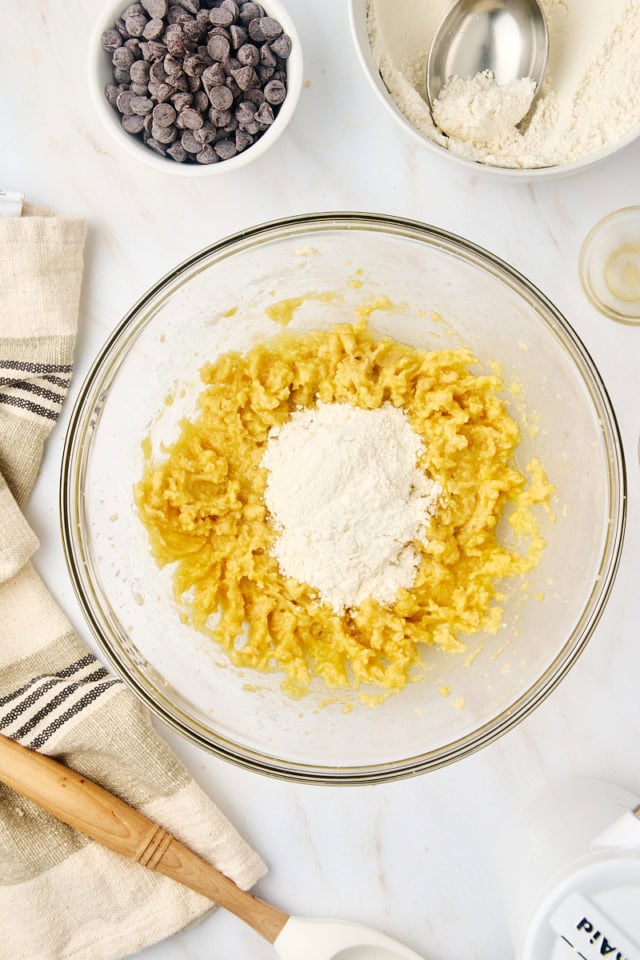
[100, 815]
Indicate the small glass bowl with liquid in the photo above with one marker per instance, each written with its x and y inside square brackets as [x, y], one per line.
[610, 265]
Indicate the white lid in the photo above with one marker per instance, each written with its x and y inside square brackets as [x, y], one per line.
[593, 913]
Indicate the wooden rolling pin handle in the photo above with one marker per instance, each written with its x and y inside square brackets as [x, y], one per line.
[113, 823]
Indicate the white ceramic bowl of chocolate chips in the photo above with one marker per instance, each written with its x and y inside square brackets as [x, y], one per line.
[195, 87]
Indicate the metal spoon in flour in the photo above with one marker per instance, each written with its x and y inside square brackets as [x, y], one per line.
[99, 814]
[508, 37]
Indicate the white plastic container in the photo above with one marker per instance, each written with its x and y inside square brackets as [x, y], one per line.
[571, 874]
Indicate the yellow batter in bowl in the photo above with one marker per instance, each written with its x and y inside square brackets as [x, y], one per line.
[204, 510]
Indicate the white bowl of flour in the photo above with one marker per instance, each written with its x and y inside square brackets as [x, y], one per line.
[587, 109]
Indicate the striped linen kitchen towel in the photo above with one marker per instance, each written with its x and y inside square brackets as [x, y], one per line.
[62, 895]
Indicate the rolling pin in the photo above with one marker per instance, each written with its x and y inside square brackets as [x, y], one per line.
[86, 807]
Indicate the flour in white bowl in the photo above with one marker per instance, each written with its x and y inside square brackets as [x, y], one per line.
[590, 97]
[479, 110]
[348, 501]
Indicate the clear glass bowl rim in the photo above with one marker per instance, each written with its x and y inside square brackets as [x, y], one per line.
[94, 390]
[584, 266]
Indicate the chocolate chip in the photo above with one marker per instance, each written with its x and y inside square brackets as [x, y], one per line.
[156, 9]
[201, 101]
[245, 77]
[275, 92]
[221, 17]
[221, 98]
[172, 65]
[176, 44]
[163, 134]
[225, 149]
[206, 133]
[181, 100]
[133, 123]
[233, 86]
[265, 114]
[281, 46]
[233, 6]
[133, 10]
[122, 57]
[190, 143]
[179, 82]
[157, 72]
[245, 112]
[163, 91]
[111, 40]
[219, 118]
[231, 64]
[111, 93]
[153, 29]
[194, 83]
[139, 89]
[123, 102]
[177, 14]
[267, 56]
[270, 28]
[255, 95]
[121, 75]
[135, 45]
[265, 73]
[140, 72]
[190, 119]
[164, 115]
[207, 154]
[243, 140]
[121, 28]
[191, 6]
[238, 36]
[248, 55]
[141, 105]
[219, 48]
[157, 50]
[255, 30]
[214, 76]
[202, 52]
[220, 32]
[248, 12]
[193, 30]
[155, 146]
[177, 152]
[135, 25]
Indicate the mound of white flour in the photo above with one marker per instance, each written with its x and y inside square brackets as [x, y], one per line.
[590, 97]
[348, 501]
[479, 110]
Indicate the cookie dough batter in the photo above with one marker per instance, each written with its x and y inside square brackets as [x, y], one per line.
[204, 508]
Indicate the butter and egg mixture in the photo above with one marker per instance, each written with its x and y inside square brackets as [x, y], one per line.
[205, 510]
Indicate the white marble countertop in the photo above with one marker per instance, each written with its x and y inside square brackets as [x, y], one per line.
[415, 858]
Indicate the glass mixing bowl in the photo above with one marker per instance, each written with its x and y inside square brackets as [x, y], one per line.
[447, 292]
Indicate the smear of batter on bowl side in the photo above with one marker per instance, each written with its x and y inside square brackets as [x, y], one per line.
[204, 508]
